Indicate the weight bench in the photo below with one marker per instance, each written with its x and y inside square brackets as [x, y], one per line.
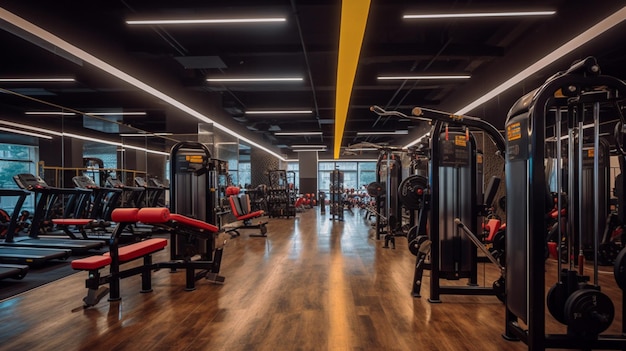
[240, 207]
[144, 249]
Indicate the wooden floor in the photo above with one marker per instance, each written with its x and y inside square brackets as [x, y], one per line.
[312, 284]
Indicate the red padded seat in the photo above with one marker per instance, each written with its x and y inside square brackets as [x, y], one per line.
[254, 214]
[492, 226]
[142, 248]
[93, 262]
[124, 215]
[191, 222]
[153, 215]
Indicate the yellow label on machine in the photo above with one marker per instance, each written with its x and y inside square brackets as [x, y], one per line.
[514, 132]
[590, 153]
[194, 158]
[459, 140]
[479, 158]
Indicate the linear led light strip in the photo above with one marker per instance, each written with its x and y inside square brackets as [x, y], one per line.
[480, 14]
[71, 135]
[464, 76]
[269, 79]
[37, 80]
[207, 21]
[297, 133]
[83, 55]
[583, 38]
[278, 112]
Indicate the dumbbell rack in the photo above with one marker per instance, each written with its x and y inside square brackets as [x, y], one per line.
[336, 195]
[279, 202]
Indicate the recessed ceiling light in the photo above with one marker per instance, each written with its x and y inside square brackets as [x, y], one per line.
[297, 133]
[308, 146]
[479, 14]
[262, 79]
[36, 80]
[393, 132]
[49, 113]
[278, 112]
[464, 76]
[207, 21]
[113, 113]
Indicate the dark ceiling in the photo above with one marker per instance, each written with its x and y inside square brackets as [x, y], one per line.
[176, 60]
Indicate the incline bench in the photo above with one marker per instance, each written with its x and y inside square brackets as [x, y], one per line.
[178, 225]
[240, 207]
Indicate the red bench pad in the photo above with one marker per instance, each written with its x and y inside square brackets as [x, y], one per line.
[72, 221]
[93, 262]
[136, 250]
[492, 226]
[254, 214]
[124, 215]
[198, 224]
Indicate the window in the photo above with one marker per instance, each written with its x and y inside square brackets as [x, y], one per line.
[355, 174]
[16, 159]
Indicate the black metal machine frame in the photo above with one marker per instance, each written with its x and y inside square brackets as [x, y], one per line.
[527, 126]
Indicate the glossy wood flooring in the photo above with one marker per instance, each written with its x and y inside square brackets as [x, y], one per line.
[312, 284]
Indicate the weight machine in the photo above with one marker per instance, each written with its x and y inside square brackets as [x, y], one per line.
[449, 203]
[580, 94]
[195, 192]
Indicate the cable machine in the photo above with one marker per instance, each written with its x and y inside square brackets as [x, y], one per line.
[575, 300]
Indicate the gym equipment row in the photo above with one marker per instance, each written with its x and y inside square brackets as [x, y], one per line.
[560, 109]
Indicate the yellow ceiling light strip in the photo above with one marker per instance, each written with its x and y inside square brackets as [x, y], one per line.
[353, 20]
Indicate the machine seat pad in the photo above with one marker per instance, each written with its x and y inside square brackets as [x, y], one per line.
[254, 214]
[142, 248]
[72, 221]
[92, 262]
[124, 215]
[195, 223]
[493, 225]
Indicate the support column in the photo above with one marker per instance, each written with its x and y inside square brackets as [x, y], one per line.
[260, 163]
[308, 172]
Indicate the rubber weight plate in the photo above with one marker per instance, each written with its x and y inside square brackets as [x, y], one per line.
[589, 311]
[375, 189]
[557, 296]
[619, 270]
[411, 191]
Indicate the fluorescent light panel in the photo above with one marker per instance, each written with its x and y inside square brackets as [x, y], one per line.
[479, 14]
[207, 21]
[23, 126]
[25, 133]
[36, 80]
[297, 133]
[85, 56]
[463, 76]
[261, 79]
[308, 146]
[396, 132]
[278, 112]
[116, 113]
[49, 113]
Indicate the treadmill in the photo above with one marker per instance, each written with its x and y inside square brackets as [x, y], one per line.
[45, 197]
[15, 258]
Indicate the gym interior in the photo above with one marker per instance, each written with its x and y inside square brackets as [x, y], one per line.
[312, 175]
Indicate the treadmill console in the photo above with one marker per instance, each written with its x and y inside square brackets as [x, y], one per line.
[141, 182]
[115, 183]
[84, 182]
[29, 181]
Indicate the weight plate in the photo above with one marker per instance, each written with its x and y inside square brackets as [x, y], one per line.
[411, 191]
[557, 295]
[619, 269]
[375, 189]
[412, 233]
[589, 312]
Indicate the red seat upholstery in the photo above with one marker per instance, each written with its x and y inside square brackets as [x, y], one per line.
[162, 215]
[93, 262]
[492, 226]
[142, 248]
[124, 215]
